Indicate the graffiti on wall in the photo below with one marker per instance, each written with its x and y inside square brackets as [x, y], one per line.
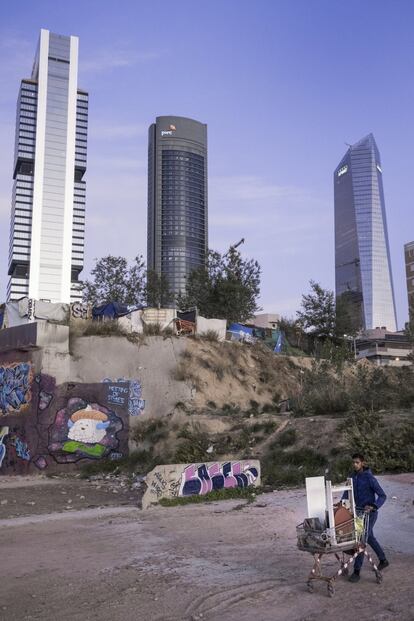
[171, 481]
[198, 479]
[131, 393]
[4, 431]
[21, 447]
[81, 310]
[83, 430]
[15, 387]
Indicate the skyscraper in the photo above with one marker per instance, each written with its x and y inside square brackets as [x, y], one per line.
[362, 258]
[48, 205]
[177, 198]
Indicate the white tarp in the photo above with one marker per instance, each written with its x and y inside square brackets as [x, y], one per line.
[131, 322]
[26, 309]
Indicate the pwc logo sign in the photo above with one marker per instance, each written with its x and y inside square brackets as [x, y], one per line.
[169, 131]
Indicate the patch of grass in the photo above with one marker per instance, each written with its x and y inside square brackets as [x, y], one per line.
[287, 438]
[282, 468]
[248, 493]
[152, 329]
[212, 405]
[138, 462]
[387, 449]
[184, 373]
[210, 335]
[266, 428]
[269, 407]
[230, 409]
[193, 445]
[151, 430]
[339, 469]
[103, 328]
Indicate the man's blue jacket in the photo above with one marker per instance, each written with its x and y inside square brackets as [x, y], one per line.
[367, 490]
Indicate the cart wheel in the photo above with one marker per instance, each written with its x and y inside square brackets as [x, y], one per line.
[331, 589]
[378, 576]
[309, 586]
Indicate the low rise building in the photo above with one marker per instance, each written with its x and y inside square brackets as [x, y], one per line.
[384, 348]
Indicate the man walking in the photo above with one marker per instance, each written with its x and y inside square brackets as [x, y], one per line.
[369, 497]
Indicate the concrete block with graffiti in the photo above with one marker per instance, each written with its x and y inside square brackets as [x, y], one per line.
[57, 427]
[179, 480]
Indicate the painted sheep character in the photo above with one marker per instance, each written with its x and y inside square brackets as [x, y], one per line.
[87, 429]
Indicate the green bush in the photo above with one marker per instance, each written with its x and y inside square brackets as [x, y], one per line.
[193, 445]
[289, 468]
[287, 437]
[138, 462]
[387, 449]
[151, 430]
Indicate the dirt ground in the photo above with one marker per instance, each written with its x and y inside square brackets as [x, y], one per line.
[224, 561]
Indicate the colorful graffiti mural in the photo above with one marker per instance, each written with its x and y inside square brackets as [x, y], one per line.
[83, 430]
[4, 431]
[22, 448]
[170, 481]
[198, 479]
[62, 424]
[132, 393]
[15, 387]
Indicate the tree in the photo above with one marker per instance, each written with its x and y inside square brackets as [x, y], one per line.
[114, 280]
[328, 322]
[157, 292]
[227, 287]
[317, 316]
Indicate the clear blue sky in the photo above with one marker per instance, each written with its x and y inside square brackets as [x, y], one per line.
[282, 86]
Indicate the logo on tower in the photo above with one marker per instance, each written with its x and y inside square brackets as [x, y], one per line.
[169, 131]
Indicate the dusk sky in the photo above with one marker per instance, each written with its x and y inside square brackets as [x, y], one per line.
[282, 86]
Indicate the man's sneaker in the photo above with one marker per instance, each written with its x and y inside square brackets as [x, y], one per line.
[383, 564]
[354, 577]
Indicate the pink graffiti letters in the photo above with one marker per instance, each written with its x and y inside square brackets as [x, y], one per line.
[198, 479]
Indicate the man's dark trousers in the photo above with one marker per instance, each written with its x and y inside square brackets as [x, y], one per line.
[372, 518]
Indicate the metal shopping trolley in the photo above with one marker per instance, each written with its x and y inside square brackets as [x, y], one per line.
[345, 540]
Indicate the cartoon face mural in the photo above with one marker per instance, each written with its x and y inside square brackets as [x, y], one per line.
[15, 387]
[88, 425]
[83, 430]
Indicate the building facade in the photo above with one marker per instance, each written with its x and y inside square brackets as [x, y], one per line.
[363, 277]
[48, 204]
[177, 199]
[409, 272]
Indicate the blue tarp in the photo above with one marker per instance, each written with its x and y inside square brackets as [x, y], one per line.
[280, 343]
[237, 328]
[113, 310]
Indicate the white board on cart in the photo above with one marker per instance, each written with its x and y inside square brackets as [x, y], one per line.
[316, 497]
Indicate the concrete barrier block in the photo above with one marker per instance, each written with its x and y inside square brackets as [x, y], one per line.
[181, 480]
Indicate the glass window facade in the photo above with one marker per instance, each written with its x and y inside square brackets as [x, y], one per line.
[362, 260]
[56, 144]
[177, 198]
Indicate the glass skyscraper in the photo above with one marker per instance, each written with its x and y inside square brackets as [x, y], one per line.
[177, 198]
[48, 206]
[363, 275]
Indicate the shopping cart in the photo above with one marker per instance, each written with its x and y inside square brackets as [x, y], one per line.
[344, 541]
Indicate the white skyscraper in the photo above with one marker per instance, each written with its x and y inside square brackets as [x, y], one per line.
[48, 206]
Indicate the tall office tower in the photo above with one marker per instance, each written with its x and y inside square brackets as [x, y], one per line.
[48, 206]
[177, 198]
[409, 272]
[362, 258]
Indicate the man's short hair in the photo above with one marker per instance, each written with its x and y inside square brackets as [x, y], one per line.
[359, 456]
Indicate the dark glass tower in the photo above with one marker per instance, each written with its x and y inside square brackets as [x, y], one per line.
[363, 275]
[177, 198]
